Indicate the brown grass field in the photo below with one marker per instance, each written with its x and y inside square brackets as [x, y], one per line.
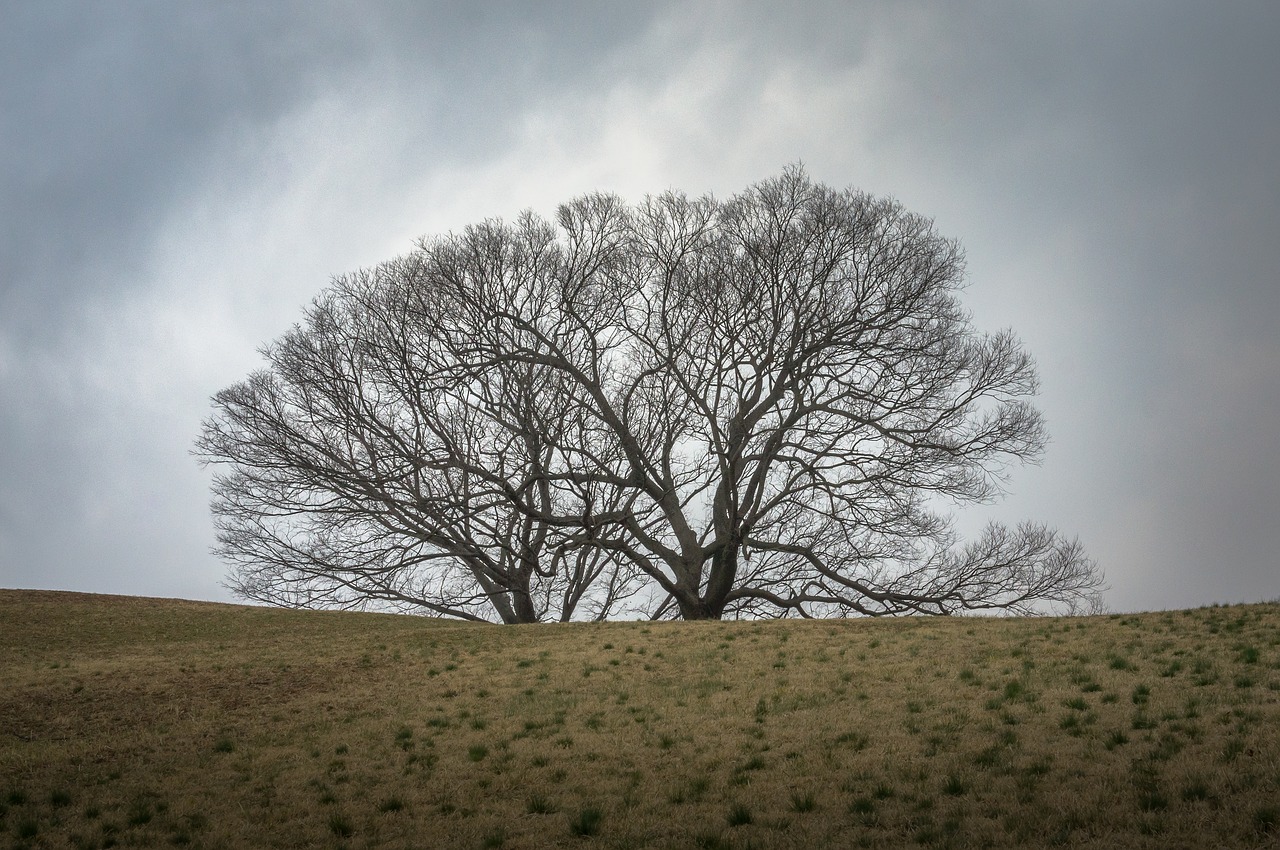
[140, 722]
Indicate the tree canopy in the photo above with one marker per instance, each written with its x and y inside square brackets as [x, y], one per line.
[758, 406]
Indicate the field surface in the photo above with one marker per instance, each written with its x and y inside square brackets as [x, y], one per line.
[137, 722]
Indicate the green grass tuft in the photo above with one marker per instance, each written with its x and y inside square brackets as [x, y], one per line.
[587, 823]
[739, 815]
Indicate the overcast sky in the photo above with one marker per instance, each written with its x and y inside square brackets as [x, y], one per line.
[178, 180]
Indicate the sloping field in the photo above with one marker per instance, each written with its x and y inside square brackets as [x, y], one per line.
[141, 722]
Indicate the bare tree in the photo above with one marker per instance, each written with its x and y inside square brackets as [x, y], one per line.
[759, 406]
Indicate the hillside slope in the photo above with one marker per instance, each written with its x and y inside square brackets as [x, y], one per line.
[137, 722]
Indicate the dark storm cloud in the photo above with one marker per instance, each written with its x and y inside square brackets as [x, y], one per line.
[105, 108]
[109, 112]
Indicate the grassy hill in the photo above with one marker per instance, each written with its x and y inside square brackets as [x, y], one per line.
[138, 722]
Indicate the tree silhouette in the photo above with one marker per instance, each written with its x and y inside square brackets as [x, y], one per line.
[757, 406]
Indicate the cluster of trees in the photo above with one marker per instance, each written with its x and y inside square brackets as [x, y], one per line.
[701, 408]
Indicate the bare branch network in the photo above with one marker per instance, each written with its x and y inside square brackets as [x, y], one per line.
[690, 407]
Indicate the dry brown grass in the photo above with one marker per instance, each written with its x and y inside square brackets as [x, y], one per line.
[134, 722]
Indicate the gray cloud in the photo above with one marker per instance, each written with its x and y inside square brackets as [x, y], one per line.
[106, 111]
[111, 113]
[178, 181]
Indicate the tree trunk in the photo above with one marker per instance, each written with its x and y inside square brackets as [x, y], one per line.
[696, 608]
[522, 603]
[724, 569]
